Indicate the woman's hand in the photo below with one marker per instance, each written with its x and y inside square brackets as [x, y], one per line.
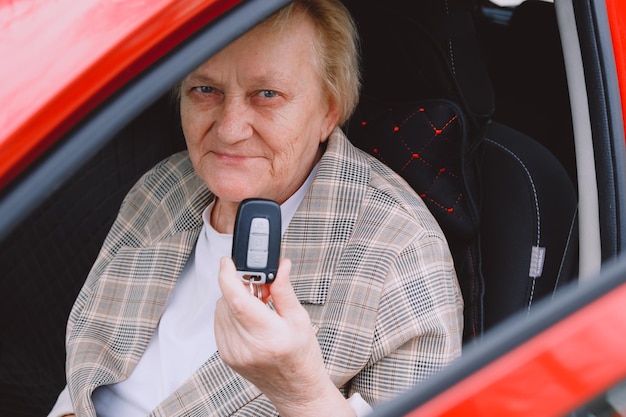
[275, 350]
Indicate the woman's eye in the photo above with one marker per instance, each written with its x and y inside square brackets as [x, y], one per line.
[204, 89]
[268, 93]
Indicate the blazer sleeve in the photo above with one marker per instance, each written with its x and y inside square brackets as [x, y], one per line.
[419, 323]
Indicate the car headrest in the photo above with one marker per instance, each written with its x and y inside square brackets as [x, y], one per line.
[422, 50]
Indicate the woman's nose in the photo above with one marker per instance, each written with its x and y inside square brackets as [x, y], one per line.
[234, 120]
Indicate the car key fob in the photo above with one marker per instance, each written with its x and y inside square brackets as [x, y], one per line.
[256, 240]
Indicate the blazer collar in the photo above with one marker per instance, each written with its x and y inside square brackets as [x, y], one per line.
[182, 211]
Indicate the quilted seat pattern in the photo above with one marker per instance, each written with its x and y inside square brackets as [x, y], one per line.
[422, 141]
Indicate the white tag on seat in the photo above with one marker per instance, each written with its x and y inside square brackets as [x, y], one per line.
[537, 258]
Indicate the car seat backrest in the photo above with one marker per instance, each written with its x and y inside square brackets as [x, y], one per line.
[528, 223]
[505, 204]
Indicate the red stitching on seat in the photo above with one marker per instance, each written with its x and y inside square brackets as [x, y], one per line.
[419, 154]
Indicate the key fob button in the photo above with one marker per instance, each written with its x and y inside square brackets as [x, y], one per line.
[260, 226]
[258, 242]
[257, 259]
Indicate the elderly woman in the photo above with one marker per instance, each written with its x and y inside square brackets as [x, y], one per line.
[365, 304]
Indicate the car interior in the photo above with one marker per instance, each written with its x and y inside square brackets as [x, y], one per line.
[467, 100]
[505, 202]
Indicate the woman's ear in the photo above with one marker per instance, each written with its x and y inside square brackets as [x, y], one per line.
[330, 120]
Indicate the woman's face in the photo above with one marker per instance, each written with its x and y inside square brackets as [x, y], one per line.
[255, 114]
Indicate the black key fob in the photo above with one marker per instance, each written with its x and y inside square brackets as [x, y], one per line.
[256, 240]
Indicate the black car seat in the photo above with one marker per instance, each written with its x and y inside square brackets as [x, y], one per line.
[506, 205]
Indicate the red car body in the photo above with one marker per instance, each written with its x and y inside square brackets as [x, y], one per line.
[63, 59]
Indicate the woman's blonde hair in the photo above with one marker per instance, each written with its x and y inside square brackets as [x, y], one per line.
[337, 48]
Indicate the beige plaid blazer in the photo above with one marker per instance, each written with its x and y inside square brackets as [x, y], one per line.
[370, 265]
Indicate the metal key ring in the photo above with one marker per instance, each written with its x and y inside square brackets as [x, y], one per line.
[256, 290]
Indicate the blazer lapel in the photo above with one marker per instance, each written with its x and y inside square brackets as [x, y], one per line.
[324, 221]
[128, 302]
[130, 293]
